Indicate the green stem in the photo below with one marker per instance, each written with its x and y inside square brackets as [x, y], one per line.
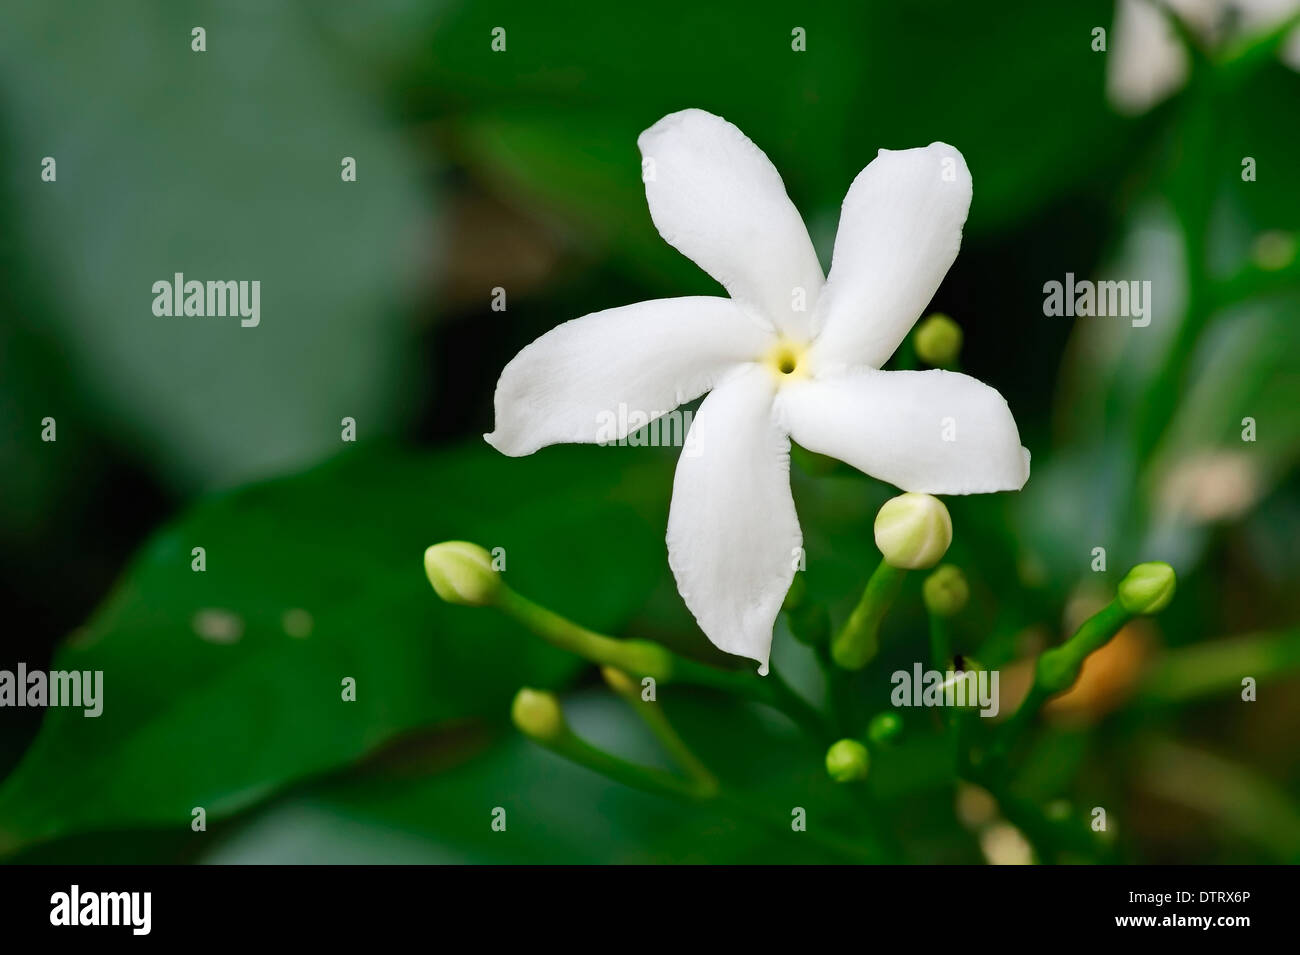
[940, 642]
[637, 657]
[770, 690]
[642, 658]
[659, 783]
[858, 641]
[653, 715]
[1058, 668]
[839, 691]
[646, 778]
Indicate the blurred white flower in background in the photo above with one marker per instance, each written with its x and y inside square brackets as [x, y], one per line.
[1147, 60]
[789, 355]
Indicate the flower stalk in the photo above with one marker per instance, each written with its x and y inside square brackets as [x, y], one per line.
[652, 714]
[640, 658]
[1146, 589]
[858, 640]
[636, 658]
[539, 716]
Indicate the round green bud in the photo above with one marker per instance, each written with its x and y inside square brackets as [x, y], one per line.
[1148, 588]
[462, 573]
[945, 591]
[884, 727]
[538, 714]
[847, 761]
[937, 340]
[1274, 250]
[913, 531]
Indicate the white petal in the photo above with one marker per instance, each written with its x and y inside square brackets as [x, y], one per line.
[718, 199]
[602, 376]
[1146, 62]
[733, 537]
[899, 232]
[1258, 17]
[933, 432]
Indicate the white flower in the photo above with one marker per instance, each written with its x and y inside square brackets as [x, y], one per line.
[1148, 61]
[789, 354]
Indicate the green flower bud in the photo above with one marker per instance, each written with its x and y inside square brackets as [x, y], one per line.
[913, 531]
[1147, 588]
[538, 715]
[945, 591]
[1274, 250]
[884, 727]
[847, 761]
[937, 340]
[462, 573]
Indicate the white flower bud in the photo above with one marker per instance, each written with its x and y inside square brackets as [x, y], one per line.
[462, 573]
[913, 531]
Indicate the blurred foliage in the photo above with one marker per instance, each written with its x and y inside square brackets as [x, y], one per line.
[520, 170]
[231, 678]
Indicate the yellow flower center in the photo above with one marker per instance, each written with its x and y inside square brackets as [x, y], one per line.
[786, 360]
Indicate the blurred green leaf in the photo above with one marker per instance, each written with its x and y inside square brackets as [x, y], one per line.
[557, 812]
[222, 165]
[556, 115]
[310, 580]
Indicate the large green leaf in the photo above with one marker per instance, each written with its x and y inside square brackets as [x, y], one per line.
[313, 579]
[556, 115]
[221, 165]
[556, 812]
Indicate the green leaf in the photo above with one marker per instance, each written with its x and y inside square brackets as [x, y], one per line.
[223, 165]
[556, 115]
[556, 812]
[317, 578]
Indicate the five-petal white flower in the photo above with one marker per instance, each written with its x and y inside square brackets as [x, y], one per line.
[789, 354]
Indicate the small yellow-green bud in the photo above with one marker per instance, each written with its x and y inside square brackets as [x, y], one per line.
[538, 714]
[1147, 588]
[620, 682]
[913, 531]
[937, 340]
[1274, 250]
[847, 761]
[884, 727]
[462, 573]
[945, 591]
